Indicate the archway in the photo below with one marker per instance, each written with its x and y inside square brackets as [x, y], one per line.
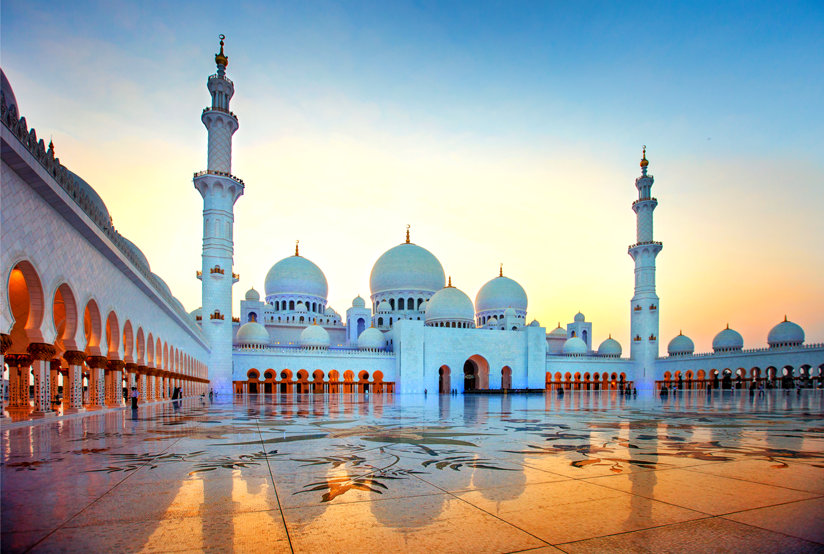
[269, 381]
[444, 380]
[348, 381]
[506, 377]
[363, 381]
[26, 301]
[64, 314]
[476, 373]
[303, 381]
[92, 328]
[286, 381]
[377, 381]
[317, 381]
[252, 376]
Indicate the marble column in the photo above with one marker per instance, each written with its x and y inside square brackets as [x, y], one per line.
[97, 380]
[141, 383]
[54, 378]
[19, 365]
[115, 370]
[131, 376]
[73, 386]
[5, 344]
[41, 354]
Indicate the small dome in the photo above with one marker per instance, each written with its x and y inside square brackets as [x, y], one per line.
[580, 318]
[575, 346]
[450, 304]
[92, 195]
[252, 295]
[786, 333]
[252, 333]
[300, 307]
[371, 339]
[384, 306]
[558, 332]
[728, 339]
[499, 294]
[681, 345]
[8, 92]
[314, 336]
[330, 312]
[492, 321]
[406, 267]
[358, 302]
[610, 347]
[510, 312]
[141, 258]
[194, 314]
[534, 323]
[296, 275]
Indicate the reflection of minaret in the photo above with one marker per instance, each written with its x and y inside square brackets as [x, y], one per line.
[220, 190]
[644, 307]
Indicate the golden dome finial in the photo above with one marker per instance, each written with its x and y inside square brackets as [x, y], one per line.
[501, 271]
[407, 233]
[297, 252]
[644, 160]
[449, 286]
[785, 317]
[221, 58]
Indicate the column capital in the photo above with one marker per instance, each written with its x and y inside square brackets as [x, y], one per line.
[18, 360]
[74, 357]
[131, 367]
[5, 343]
[55, 364]
[143, 369]
[97, 362]
[41, 351]
[116, 365]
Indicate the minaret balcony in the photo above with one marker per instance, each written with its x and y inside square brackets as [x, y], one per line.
[238, 180]
[221, 77]
[235, 277]
[199, 275]
[219, 109]
[640, 200]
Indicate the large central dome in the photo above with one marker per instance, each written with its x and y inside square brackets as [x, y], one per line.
[407, 267]
[296, 275]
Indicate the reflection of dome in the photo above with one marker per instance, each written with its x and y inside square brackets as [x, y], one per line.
[499, 294]
[314, 336]
[728, 339]
[611, 348]
[450, 304]
[575, 346]
[296, 275]
[94, 198]
[680, 345]
[252, 333]
[786, 333]
[358, 302]
[371, 339]
[252, 295]
[406, 267]
[580, 318]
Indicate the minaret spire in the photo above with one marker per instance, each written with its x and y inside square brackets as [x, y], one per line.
[297, 244]
[501, 270]
[407, 233]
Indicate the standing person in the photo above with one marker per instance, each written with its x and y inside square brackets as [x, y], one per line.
[135, 396]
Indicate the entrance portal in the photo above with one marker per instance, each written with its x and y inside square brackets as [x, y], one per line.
[445, 383]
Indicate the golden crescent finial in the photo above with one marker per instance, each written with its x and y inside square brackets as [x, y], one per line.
[221, 58]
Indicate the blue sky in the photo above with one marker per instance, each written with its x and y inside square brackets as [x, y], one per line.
[503, 131]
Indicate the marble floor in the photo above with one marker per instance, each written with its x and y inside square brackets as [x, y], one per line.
[587, 472]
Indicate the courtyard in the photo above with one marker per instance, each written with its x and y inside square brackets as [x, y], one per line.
[582, 472]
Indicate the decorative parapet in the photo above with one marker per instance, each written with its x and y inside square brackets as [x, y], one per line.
[236, 319]
[217, 109]
[216, 269]
[45, 156]
[216, 315]
[651, 198]
[223, 77]
[728, 353]
[219, 174]
[326, 353]
[645, 243]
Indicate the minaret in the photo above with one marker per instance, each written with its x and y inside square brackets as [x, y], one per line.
[220, 190]
[645, 307]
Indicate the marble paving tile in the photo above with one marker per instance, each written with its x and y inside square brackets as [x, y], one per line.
[710, 494]
[439, 523]
[803, 519]
[793, 475]
[704, 535]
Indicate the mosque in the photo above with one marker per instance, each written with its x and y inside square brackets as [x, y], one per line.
[82, 309]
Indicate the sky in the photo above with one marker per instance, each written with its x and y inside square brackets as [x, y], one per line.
[502, 132]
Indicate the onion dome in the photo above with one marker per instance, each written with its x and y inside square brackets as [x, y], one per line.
[300, 307]
[558, 331]
[510, 312]
[580, 318]
[499, 294]
[644, 160]
[384, 306]
[358, 302]
[314, 336]
[575, 346]
[91, 194]
[296, 275]
[371, 339]
[680, 346]
[252, 334]
[252, 295]
[220, 57]
[450, 304]
[610, 347]
[406, 267]
[727, 340]
[786, 333]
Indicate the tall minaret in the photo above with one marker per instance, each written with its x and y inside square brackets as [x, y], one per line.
[645, 307]
[220, 190]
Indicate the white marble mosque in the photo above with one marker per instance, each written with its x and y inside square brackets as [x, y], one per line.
[418, 333]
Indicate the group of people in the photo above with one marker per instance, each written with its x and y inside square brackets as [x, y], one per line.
[177, 394]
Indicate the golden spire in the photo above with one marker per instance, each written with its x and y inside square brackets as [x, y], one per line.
[449, 286]
[221, 58]
[297, 252]
[407, 233]
[785, 317]
[501, 270]
[610, 335]
[728, 325]
[644, 160]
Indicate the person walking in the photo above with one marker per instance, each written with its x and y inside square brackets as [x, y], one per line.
[135, 396]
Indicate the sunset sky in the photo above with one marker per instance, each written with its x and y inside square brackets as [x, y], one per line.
[502, 132]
